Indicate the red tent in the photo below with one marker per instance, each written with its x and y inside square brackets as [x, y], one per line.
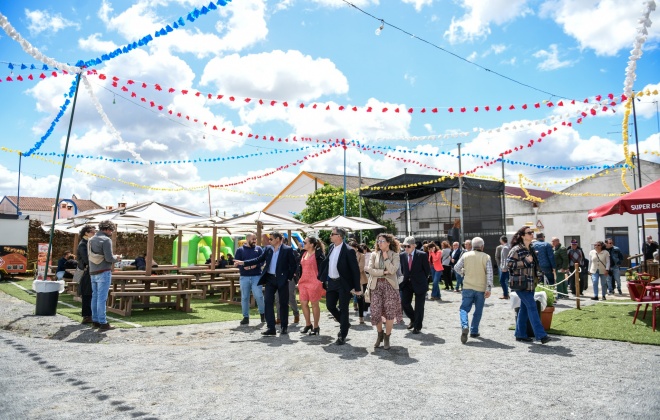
[643, 200]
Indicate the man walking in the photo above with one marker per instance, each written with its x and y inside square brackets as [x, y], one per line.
[561, 266]
[478, 281]
[340, 269]
[249, 278]
[101, 261]
[546, 257]
[416, 270]
[293, 303]
[279, 269]
[616, 258]
[502, 266]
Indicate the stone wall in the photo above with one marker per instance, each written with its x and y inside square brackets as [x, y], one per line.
[128, 244]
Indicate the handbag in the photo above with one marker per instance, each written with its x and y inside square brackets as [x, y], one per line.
[367, 292]
[77, 276]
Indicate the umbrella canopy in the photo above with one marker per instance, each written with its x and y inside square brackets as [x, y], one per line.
[643, 200]
[268, 221]
[350, 223]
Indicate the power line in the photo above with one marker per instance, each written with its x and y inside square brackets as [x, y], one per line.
[383, 22]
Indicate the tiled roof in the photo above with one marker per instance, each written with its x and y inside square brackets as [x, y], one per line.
[536, 193]
[352, 182]
[46, 204]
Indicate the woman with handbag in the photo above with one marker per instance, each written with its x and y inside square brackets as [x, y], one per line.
[600, 264]
[85, 284]
[309, 288]
[359, 253]
[524, 274]
[384, 287]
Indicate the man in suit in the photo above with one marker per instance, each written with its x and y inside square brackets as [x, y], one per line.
[280, 268]
[342, 274]
[416, 270]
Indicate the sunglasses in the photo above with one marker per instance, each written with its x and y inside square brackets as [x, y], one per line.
[380, 241]
[334, 234]
[407, 246]
[529, 233]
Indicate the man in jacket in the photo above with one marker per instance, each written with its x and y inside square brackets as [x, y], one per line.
[101, 261]
[576, 256]
[456, 253]
[546, 257]
[249, 278]
[279, 269]
[478, 280]
[648, 248]
[341, 272]
[616, 258]
[561, 267]
[415, 269]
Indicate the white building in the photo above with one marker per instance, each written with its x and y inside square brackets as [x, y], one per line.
[40, 208]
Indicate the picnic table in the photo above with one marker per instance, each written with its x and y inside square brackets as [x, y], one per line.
[222, 278]
[159, 269]
[128, 287]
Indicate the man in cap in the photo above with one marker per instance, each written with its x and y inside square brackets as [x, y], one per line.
[416, 270]
[576, 256]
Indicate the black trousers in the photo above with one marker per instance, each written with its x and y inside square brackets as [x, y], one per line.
[362, 305]
[416, 315]
[281, 287]
[446, 276]
[337, 294]
[86, 305]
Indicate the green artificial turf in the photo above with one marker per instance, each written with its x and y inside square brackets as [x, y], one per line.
[208, 310]
[607, 322]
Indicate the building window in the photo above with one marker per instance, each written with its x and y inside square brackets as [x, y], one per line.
[509, 221]
[425, 225]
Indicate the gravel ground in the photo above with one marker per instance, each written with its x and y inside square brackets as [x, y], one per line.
[54, 368]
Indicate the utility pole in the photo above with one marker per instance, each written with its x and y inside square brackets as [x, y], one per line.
[503, 199]
[18, 196]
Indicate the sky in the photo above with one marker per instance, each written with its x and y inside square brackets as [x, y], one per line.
[199, 105]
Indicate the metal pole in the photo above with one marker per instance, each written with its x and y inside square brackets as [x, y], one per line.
[408, 223]
[59, 184]
[344, 142]
[460, 195]
[639, 168]
[657, 120]
[360, 193]
[503, 200]
[18, 196]
[208, 187]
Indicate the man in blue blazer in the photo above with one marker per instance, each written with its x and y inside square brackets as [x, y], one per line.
[416, 270]
[280, 268]
[341, 272]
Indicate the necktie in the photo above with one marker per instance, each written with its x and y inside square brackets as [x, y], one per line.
[409, 261]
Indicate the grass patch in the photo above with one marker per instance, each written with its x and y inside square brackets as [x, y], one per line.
[606, 322]
[203, 311]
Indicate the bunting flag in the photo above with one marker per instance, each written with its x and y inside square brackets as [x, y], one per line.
[636, 53]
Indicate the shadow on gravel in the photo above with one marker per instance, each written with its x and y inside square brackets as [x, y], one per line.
[88, 335]
[551, 350]
[81, 385]
[487, 344]
[9, 324]
[426, 339]
[346, 351]
[279, 341]
[316, 340]
[248, 329]
[396, 354]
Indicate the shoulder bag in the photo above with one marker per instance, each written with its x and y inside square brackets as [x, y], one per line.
[77, 276]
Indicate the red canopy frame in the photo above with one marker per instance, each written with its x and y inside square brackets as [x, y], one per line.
[640, 201]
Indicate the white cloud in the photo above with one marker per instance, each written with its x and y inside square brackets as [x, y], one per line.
[475, 23]
[550, 59]
[275, 75]
[41, 20]
[510, 62]
[410, 79]
[419, 4]
[606, 26]
[93, 43]
[429, 128]
[473, 56]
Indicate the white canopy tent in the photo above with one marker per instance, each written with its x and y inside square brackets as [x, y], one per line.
[346, 222]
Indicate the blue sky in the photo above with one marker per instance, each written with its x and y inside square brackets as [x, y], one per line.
[322, 52]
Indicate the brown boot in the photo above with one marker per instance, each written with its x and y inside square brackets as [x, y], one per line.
[86, 320]
[386, 342]
[379, 339]
[277, 321]
[296, 319]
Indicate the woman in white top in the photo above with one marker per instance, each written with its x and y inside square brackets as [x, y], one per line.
[600, 263]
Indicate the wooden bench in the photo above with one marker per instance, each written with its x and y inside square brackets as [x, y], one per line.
[208, 287]
[126, 300]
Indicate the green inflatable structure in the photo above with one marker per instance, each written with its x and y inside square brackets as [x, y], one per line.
[196, 249]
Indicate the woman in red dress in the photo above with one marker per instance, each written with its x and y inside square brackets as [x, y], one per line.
[309, 287]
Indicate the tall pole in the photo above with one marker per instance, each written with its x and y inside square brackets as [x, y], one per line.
[59, 184]
[503, 199]
[208, 187]
[360, 193]
[408, 223]
[18, 196]
[639, 167]
[460, 194]
[657, 120]
[344, 141]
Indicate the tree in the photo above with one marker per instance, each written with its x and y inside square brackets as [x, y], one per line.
[328, 202]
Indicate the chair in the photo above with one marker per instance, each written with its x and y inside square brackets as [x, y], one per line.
[654, 294]
[637, 293]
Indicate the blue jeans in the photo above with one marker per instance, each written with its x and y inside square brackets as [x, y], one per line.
[436, 276]
[504, 282]
[249, 283]
[100, 289]
[615, 278]
[471, 297]
[603, 282]
[528, 312]
[459, 281]
[549, 274]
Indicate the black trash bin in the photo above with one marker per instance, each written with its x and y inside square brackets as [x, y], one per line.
[530, 330]
[48, 292]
